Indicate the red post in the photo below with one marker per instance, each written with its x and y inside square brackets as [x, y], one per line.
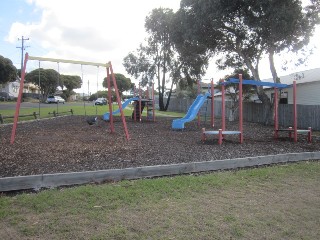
[203, 136]
[276, 121]
[110, 101]
[140, 113]
[220, 137]
[240, 109]
[135, 104]
[147, 103]
[119, 103]
[309, 135]
[223, 106]
[290, 133]
[199, 91]
[295, 125]
[212, 103]
[16, 115]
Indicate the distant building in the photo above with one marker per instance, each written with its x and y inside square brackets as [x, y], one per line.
[9, 90]
[308, 87]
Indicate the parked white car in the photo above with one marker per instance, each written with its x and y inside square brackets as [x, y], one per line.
[100, 101]
[55, 99]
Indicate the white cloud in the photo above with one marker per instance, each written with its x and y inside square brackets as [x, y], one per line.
[95, 31]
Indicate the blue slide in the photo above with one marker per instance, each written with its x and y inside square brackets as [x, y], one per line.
[106, 116]
[192, 112]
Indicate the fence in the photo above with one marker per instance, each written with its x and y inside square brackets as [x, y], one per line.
[2, 118]
[308, 115]
[35, 115]
[55, 114]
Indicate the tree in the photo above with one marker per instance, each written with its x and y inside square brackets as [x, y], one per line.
[123, 83]
[8, 72]
[245, 30]
[71, 82]
[48, 80]
[160, 58]
[282, 26]
[155, 59]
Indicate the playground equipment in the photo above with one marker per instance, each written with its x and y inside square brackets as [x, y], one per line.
[140, 103]
[222, 131]
[276, 86]
[193, 110]
[290, 130]
[106, 116]
[138, 106]
[110, 77]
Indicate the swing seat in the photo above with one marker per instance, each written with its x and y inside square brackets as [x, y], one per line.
[92, 120]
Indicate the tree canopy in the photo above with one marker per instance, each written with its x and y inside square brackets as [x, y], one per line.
[123, 83]
[70, 82]
[241, 32]
[159, 59]
[8, 72]
[48, 80]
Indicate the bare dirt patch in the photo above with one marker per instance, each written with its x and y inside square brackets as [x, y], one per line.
[69, 144]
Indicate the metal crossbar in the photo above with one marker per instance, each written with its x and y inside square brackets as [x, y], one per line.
[69, 61]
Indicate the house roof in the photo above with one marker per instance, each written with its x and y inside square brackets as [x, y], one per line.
[306, 76]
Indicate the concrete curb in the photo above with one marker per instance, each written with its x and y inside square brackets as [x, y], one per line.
[37, 182]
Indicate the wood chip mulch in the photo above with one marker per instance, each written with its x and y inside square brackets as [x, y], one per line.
[70, 144]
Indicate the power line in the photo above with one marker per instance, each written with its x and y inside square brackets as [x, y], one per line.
[22, 48]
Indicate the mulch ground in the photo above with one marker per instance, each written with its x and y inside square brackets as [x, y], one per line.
[70, 144]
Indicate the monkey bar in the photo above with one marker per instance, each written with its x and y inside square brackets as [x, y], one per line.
[223, 131]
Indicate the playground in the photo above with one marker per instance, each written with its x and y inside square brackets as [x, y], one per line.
[70, 144]
[65, 144]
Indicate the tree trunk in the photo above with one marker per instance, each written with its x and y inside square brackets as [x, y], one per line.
[169, 97]
[161, 104]
[261, 94]
[272, 67]
[267, 106]
[161, 94]
[274, 76]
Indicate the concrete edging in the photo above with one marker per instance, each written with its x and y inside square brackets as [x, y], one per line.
[37, 182]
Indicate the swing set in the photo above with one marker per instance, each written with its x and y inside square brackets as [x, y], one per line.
[110, 77]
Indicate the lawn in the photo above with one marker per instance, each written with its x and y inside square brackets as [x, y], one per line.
[86, 109]
[276, 202]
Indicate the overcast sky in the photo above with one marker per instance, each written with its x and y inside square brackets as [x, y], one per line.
[93, 31]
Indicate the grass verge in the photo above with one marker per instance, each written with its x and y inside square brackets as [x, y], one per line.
[88, 109]
[277, 202]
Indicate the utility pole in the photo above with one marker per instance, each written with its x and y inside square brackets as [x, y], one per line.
[22, 49]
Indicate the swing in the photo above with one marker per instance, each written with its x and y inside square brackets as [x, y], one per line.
[92, 120]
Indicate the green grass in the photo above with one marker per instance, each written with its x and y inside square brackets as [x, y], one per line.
[88, 109]
[278, 202]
